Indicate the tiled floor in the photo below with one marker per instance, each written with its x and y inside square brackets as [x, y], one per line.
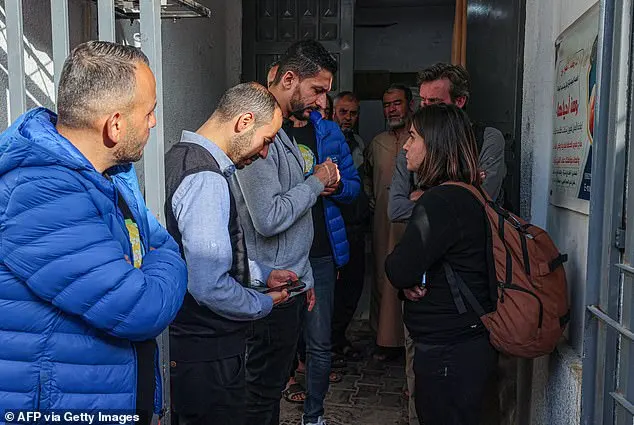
[369, 394]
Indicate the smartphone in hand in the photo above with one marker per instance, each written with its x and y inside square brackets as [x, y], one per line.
[291, 286]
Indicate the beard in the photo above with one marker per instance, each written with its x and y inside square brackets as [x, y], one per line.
[396, 124]
[239, 149]
[130, 149]
[299, 108]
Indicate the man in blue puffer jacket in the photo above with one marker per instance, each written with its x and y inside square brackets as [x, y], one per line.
[321, 140]
[88, 278]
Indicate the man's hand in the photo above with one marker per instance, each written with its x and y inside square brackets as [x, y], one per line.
[310, 298]
[278, 296]
[415, 293]
[330, 189]
[280, 277]
[415, 195]
[483, 175]
[327, 172]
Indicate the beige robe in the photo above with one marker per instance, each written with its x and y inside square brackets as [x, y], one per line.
[385, 307]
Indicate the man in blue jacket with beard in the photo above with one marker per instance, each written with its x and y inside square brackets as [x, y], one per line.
[88, 278]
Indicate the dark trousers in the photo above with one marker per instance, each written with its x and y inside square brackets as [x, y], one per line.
[451, 381]
[348, 289]
[301, 355]
[210, 392]
[271, 346]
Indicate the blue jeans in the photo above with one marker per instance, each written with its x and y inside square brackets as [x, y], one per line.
[317, 332]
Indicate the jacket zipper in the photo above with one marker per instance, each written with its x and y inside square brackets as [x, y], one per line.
[519, 288]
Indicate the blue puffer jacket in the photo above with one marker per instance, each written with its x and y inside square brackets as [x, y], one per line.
[70, 304]
[331, 143]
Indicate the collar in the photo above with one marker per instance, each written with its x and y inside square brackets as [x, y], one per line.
[227, 167]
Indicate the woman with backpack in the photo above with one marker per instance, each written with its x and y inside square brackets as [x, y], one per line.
[454, 359]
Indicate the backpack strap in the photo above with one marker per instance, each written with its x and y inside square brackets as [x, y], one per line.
[485, 200]
[477, 192]
[559, 261]
[457, 286]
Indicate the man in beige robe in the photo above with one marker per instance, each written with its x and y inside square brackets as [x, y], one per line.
[385, 309]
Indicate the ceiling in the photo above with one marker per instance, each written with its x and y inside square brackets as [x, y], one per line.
[402, 3]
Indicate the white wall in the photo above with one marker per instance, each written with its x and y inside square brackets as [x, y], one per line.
[201, 59]
[38, 55]
[556, 385]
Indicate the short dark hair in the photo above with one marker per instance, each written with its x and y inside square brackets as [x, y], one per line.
[305, 58]
[247, 97]
[451, 151]
[457, 75]
[97, 77]
[406, 90]
[348, 94]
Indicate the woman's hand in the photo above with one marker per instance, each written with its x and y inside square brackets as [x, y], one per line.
[415, 293]
[415, 195]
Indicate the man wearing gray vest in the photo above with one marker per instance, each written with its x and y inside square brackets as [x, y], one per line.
[208, 336]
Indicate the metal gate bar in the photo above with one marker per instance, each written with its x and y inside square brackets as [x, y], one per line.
[623, 402]
[611, 322]
[15, 59]
[105, 17]
[154, 160]
[626, 268]
[603, 283]
[61, 42]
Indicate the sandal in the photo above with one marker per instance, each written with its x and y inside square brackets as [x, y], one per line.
[335, 377]
[294, 393]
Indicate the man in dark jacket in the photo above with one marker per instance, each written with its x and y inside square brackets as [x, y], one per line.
[88, 277]
[356, 217]
[318, 141]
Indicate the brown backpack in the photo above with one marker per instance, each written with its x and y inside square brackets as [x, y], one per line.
[528, 283]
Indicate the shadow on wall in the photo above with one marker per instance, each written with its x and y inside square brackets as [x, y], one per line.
[38, 48]
[38, 68]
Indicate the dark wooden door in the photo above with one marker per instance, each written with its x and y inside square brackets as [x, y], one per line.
[495, 60]
[271, 26]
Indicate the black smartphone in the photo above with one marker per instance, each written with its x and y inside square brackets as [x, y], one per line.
[291, 286]
[296, 286]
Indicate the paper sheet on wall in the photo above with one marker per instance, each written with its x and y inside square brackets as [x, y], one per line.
[574, 100]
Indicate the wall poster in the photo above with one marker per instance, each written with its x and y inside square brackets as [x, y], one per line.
[573, 113]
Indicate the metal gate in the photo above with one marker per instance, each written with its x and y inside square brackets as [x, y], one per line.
[608, 360]
[149, 13]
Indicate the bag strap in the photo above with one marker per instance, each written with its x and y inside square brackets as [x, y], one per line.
[455, 288]
[559, 261]
[458, 286]
[479, 194]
